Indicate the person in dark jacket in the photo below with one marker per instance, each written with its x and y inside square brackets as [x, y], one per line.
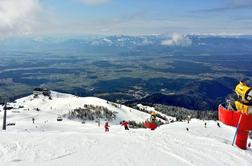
[106, 126]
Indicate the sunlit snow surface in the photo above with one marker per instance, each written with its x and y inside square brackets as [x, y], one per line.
[70, 143]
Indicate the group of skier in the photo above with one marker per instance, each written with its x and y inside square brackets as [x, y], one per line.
[123, 123]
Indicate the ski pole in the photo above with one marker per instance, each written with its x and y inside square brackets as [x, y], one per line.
[238, 125]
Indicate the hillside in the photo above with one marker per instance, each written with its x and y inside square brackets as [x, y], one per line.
[48, 142]
[44, 109]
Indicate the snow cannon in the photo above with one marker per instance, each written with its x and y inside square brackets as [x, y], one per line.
[242, 121]
[151, 123]
[244, 102]
[244, 93]
[239, 114]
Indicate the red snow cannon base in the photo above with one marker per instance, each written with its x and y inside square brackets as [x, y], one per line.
[231, 118]
[150, 125]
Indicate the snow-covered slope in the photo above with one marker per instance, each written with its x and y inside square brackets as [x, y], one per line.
[70, 143]
[61, 104]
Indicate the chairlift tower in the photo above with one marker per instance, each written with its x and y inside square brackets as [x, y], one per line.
[4, 117]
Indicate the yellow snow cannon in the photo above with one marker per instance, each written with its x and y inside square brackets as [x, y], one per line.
[151, 124]
[244, 93]
[242, 118]
[153, 116]
[244, 102]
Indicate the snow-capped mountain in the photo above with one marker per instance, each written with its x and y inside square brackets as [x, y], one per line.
[109, 43]
[69, 142]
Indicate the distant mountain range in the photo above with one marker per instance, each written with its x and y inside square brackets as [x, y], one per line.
[198, 42]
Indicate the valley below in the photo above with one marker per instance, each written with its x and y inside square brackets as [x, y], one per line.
[128, 70]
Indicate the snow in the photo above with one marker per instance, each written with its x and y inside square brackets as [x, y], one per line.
[70, 143]
[63, 103]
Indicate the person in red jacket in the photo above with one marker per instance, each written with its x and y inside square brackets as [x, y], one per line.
[125, 124]
[106, 126]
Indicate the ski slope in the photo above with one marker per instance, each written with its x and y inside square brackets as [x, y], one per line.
[70, 143]
[62, 103]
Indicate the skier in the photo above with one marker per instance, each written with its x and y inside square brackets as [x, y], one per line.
[205, 124]
[188, 119]
[33, 120]
[106, 126]
[218, 124]
[125, 124]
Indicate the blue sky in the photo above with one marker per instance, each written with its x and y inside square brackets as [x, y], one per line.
[131, 17]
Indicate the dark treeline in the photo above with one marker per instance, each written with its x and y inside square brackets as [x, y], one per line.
[183, 113]
[90, 112]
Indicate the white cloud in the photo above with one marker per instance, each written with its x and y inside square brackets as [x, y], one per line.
[95, 2]
[17, 17]
[241, 3]
[177, 40]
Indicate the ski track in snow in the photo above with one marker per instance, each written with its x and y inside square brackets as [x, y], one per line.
[70, 143]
